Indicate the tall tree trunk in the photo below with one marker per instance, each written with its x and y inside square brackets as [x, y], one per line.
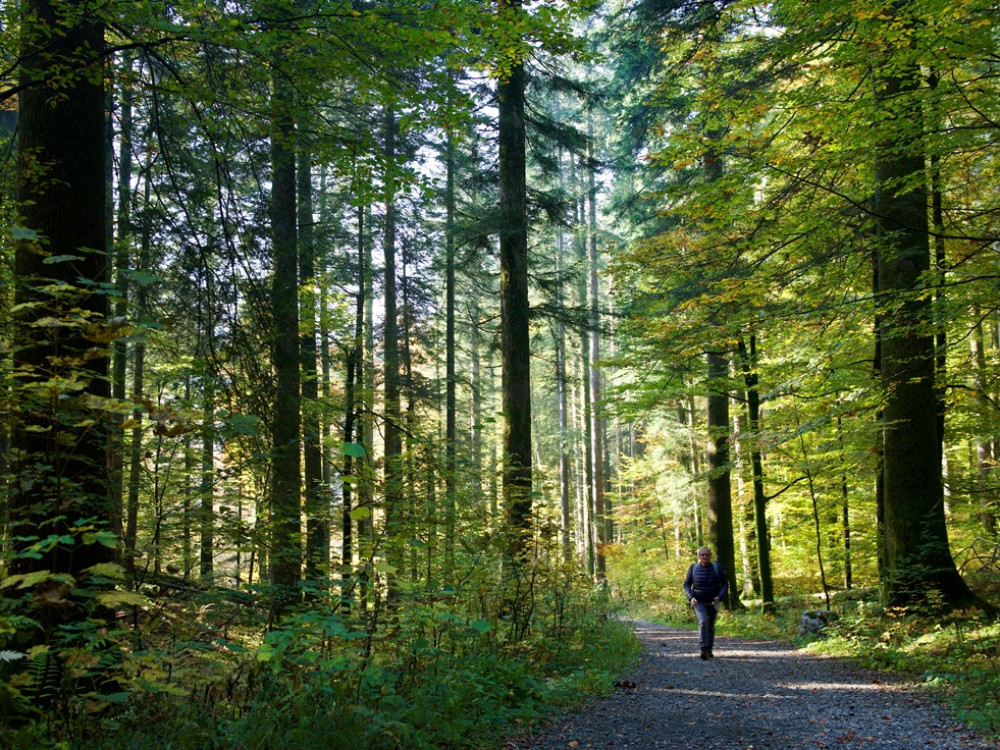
[845, 511]
[366, 428]
[720, 497]
[316, 496]
[410, 525]
[138, 376]
[122, 245]
[286, 421]
[562, 396]
[594, 385]
[450, 407]
[918, 558]
[515, 345]
[392, 430]
[748, 360]
[207, 488]
[476, 417]
[984, 446]
[61, 193]
[354, 376]
[586, 487]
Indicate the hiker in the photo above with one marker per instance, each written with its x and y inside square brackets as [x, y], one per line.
[705, 586]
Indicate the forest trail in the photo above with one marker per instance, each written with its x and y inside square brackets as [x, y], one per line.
[753, 695]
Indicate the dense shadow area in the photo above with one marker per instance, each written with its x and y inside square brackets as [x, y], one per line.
[753, 695]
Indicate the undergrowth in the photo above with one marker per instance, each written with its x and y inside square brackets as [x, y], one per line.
[433, 673]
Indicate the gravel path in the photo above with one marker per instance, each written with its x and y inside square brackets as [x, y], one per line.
[753, 695]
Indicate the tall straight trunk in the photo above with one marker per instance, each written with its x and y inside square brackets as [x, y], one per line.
[940, 266]
[586, 489]
[476, 417]
[316, 497]
[720, 499]
[138, 376]
[61, 194]
[514, 309]
[918, 558]
[286, 421]
[410, 525]
[192, 484]
[845, 511]
[720, 507]
[748, 361]
[584, 508]
[450, 407]
[594, 385]
[206, 490]
[697, 528]
[354, 376]
[562, 397]
[392, 430]
[122, 245]
[366, 428]
[984, 446]
[742, 528]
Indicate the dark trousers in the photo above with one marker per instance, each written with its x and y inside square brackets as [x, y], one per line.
[706, 613]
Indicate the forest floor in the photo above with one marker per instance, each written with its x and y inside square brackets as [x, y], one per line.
[753, 695]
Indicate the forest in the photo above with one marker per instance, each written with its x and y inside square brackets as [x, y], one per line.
[363, 361]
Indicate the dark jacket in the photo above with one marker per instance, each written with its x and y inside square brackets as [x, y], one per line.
[706, 582]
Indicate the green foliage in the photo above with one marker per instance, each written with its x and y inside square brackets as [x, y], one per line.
[201, 674]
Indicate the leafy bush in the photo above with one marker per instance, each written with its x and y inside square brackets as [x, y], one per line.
[437, 670]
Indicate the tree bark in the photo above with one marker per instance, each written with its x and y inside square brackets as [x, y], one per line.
[451, 406]
[514, 309]
[393, 409]
[286, 421]
[594, 384]
[60, 439]
[720, 496]
[748, 359]
[918, 558]
[316, 495]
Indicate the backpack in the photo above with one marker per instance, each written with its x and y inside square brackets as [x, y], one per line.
[716, 567]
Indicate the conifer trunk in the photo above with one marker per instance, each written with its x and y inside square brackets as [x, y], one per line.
[286, 421]
[515, 346]
[61, 194]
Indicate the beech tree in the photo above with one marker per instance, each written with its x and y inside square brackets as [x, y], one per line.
[918, 557]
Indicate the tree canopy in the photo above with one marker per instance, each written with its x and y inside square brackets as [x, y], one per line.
[341, 337]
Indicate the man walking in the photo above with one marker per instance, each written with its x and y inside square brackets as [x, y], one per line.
[705, 587]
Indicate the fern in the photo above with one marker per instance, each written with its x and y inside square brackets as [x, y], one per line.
[8, 656]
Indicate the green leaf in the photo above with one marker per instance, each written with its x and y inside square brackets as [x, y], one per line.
[52, 259]
[483, 626]
[244, 424]
[107, 570]
[143, 278]
[359, 514]
[26, 580]
[354, 450]
[24, 234]
[122, 599]
[105, 538]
